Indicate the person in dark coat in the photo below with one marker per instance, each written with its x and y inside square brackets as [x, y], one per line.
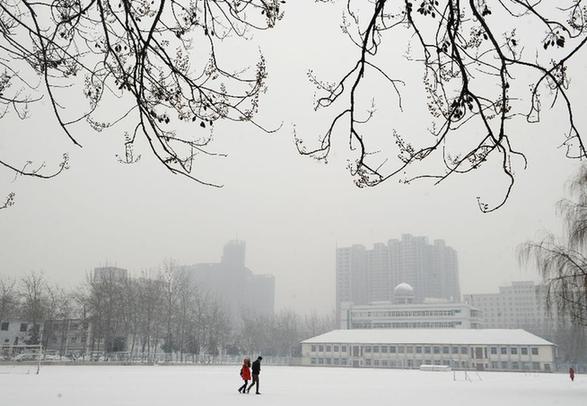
[571, 373]
[256, 371]
[245, 374]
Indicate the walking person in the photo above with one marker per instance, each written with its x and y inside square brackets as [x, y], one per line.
[245, 374]
[572, 374]
[256, 371]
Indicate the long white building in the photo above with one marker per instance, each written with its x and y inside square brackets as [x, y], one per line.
[482, 349]
[403, 312]
[426, 315]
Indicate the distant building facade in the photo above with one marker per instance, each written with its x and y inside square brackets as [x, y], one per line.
[492, 350]
[109, 273]
[240, 290]
[67, 336]
[520, 305]
[364, 276]
[403, 313]
[18, 332]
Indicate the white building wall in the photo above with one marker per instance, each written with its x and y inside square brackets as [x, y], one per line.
[513, 357]
[387, 315]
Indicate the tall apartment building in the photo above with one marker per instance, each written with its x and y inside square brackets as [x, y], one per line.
[110, 273]
[364, 276]
[521, 305]
[240, 290]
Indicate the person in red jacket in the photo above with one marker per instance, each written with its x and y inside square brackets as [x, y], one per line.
[572, 373]
[245, 374]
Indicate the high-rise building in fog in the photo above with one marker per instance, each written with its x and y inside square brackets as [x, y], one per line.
[110, 273]
[240, 290]
[364, 276]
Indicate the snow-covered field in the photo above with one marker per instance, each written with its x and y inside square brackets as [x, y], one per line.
[283, 386]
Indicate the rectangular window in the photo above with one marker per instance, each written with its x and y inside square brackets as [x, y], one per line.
[494, 365]
[493, 350]
[328, 348]
[464, 350]
[409, 349]
[313, 348]
[376, 362]
[368, 349]
[427, 350]
[4, 326]
[343, 348]
[504, 365]
[343, 361]
[320, 361]
[336, 361]
[445, 350]
[534, 351]
[504, 350]
[455, 350]
[320, 348]
[328, 361]
[335, 349]
[23, 327]
[384, 363]
[384, 348]
[392, 349]
[314, 361]
[514, 351]
[436, 350]
[514, 365]
[536, 366]
[376, 348]
[524, 351]
[368, 362]
[401, 349]
[418, 350]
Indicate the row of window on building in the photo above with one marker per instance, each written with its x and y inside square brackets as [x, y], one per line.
[409, 349]
[407, 313]
[383, 363]
[5, 325]
[404, 324]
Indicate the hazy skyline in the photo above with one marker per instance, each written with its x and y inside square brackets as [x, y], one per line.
[292, 211]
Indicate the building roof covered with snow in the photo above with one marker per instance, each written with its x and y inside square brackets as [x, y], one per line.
[430, 336]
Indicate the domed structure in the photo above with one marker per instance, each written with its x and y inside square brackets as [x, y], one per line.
[403, 294]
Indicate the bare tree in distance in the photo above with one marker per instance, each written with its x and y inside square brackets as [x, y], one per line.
[483, 65]
[563, 262]
[158, 62]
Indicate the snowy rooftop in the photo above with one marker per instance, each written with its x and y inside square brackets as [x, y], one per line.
[430, 336]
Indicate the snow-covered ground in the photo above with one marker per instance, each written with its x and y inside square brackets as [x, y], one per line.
[284, 386]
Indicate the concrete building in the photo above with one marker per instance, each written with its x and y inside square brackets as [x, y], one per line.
[18, 332]
[110, 273]
[422, 315]
[521, 305]
[364, 276]
[492, 350]
[240, 290]
[404, 313]
[67, 336]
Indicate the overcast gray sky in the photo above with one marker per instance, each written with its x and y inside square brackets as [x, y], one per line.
[291, 210]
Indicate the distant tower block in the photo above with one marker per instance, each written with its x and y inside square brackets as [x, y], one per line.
[233, 254]
[403, 294]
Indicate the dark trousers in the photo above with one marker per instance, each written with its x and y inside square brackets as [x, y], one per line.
[254, 381]
[242, 388]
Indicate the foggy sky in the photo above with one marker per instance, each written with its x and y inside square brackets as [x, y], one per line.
[292, 211]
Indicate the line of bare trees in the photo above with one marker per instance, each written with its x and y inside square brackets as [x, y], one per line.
[151, 314]
[281, 334]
